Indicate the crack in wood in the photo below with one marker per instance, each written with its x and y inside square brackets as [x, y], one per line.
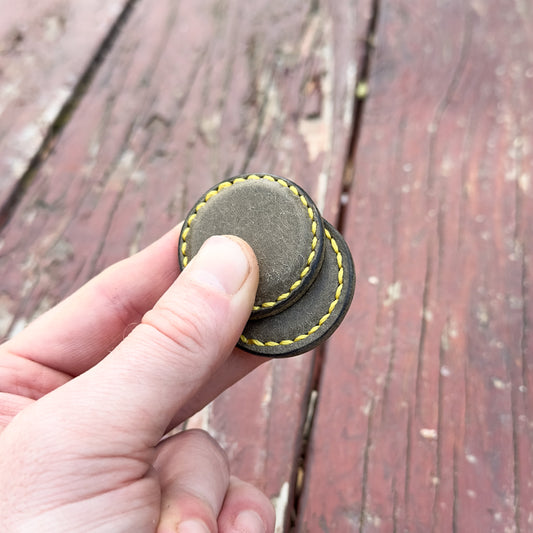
[366, 462]
[349, 165]
[360, 97]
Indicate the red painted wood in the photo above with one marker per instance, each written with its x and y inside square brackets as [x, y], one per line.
[191, 93]
[424, 418]
[45, 47]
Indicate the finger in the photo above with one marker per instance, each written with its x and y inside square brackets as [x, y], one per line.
[246, 508]
[194, 475]
[180, 344]
[77, 333]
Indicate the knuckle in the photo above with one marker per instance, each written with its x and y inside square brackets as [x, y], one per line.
[203, 442]
[190, 329]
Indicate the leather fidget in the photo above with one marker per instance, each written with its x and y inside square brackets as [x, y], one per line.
[306, 271]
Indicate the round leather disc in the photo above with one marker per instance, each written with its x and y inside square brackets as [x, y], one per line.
[316, 315]
[279, 221]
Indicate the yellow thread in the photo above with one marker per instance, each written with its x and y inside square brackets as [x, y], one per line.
[294, 190]
[323, 319]
[332, 306]
[296, 284]
[315, 328]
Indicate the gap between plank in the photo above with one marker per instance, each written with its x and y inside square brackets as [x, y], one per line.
[63, 117]
[360, 95]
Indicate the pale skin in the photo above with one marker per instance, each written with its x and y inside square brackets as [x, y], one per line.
[89, 389]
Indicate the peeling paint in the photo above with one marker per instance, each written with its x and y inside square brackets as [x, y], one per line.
[18, 326]
[394, 293]
[524, 182]
[322, 191]
[351, 73]
[499, 384]
[6, 316]
[8, 93]
[54, 104]
[428, 433]
[200, 420]
[281, 503]
[472, 459]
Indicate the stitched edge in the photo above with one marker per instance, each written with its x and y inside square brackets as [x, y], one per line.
[283, 183]
[340, 278]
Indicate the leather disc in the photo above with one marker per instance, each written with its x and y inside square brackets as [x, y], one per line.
[306, 271]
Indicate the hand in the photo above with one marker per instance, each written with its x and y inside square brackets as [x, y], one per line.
[89, 389]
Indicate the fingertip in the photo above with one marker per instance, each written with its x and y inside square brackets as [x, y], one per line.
[246, 508]
[225, 263]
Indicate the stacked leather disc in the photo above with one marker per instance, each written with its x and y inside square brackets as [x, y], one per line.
[306, 271]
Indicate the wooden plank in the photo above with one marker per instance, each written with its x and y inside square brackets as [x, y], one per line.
[193, 92]
[424, 419]
[45, 48]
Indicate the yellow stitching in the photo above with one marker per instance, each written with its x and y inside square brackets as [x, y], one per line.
[294, 190]
[332, 305]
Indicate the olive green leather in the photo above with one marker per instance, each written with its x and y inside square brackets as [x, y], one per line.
[306, 272]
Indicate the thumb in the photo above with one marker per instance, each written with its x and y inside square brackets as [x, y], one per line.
[180, 343]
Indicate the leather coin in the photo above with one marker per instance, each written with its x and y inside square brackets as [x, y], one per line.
[306, 272]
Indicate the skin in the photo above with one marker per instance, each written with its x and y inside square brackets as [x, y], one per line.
[88, 391]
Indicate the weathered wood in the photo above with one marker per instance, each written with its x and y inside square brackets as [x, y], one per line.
[45, 48]
[424, 418]
[190, 93]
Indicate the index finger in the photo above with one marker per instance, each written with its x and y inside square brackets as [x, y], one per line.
[80, 331]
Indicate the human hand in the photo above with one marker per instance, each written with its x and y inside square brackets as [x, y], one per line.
[89, 389]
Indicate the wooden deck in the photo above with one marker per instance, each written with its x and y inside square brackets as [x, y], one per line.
[410, 122]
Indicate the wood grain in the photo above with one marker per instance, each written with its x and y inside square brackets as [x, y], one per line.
[45, 48]
[426, 396]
